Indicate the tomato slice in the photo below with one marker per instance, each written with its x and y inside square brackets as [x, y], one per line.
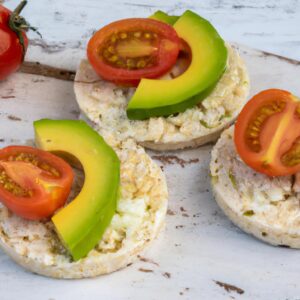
[267, 133]
[183, 61]
[33, 183]
[128, 50]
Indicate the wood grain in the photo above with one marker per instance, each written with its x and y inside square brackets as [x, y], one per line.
[37, 68]
[270, 25]
[196, 249]
[200, 244]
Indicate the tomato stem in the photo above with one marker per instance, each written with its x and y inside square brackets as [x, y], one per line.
[19, 25]
[20, 7]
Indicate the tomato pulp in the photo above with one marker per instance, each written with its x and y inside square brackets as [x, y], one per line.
[33, 183]
[128, 50]
[267, 133]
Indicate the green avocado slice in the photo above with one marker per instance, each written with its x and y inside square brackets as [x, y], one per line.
[154, 97]
[81, 224]
[163, 17]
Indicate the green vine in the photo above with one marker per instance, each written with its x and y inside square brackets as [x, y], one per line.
[19, 25]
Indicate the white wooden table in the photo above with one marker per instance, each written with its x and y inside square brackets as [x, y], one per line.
[196, 251]
[270, 25]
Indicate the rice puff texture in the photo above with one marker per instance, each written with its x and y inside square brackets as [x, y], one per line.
[139, 218]
[105, 103]
[266, 207]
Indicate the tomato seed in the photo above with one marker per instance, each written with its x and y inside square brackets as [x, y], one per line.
[130, 63]
[111, 49]
[292, 156]
[134, 53]
[141, 64]
[31, 158]
[254, 127]
[113, 58]
[113, 38]
[123, 35]
[148, 35]
[13, 187]
[137, 34]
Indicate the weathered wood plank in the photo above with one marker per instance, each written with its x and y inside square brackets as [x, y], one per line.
[44, 70]
[271, 25]
[200, 246]
[204, 247]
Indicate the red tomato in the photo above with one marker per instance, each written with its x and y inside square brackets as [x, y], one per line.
[267, 133]
[183, 60]
[33, 183]
[128, 50]
[12, 50]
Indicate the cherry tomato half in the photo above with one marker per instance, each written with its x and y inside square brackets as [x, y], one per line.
[127, 50]
[267, 133]
[33, 183]
[13, 44]
[183, 61]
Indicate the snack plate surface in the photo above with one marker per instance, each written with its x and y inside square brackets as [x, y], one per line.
[200, 254]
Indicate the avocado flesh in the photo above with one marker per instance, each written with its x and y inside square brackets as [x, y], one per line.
[154, 97]
[163, 17]
[81, 224]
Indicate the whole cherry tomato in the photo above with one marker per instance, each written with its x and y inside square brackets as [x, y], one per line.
[13, 39]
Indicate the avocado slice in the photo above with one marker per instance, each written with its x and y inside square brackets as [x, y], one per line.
[81, 224]
[154, 97]
[163, 17]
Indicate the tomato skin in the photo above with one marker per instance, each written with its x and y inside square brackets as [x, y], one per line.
[11, 51]
[165, 58]
[183, 61]
[42, 203]
[277, 133]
